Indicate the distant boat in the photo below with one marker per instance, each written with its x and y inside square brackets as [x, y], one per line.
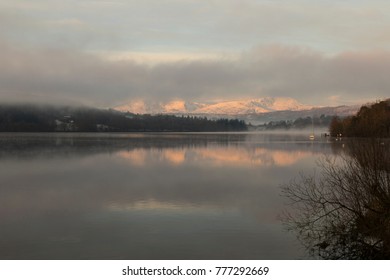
[311, 137]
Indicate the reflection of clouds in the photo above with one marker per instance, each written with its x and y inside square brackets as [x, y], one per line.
[207, 176]
[175, 157]
[140, 157]
[217, 156]
[251, 157]
[150, 204]
[136, 157]
[282, 158]
[140, 192]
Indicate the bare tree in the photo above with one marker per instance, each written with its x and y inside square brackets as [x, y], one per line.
[343, 211]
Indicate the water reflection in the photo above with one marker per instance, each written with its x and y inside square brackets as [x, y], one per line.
[148, 196]
[344, 211]
[217, 156]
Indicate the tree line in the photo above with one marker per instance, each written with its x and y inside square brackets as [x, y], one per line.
[299, 123]
[33, 118]
[370, 121]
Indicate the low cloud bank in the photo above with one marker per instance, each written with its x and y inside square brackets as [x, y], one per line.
[66, 76]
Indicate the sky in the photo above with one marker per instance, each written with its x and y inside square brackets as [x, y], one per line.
[107, 53]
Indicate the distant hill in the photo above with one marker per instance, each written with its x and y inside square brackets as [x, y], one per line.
[256, 111]
[370, 121]
[341, 111]
[32, 118]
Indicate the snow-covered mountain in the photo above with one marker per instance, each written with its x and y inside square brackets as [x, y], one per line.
[255, 111]
[235, 107]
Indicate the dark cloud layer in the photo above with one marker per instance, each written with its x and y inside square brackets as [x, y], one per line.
[68, 76]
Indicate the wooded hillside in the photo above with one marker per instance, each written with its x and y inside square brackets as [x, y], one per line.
[370, 121]
[31, 118]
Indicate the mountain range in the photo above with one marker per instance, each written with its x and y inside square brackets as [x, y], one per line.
[235, 107]
[256, 111]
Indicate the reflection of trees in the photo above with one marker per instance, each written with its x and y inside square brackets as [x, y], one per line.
[79, 144]
[344, 212]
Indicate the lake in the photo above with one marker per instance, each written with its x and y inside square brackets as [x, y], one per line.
[150, 196]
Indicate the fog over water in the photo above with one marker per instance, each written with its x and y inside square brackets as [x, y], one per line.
[149, 196]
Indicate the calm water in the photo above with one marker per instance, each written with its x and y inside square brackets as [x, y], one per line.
[149, 196]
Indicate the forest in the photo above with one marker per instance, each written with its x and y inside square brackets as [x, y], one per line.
[34, 118]
[299, 123]
[371, 121]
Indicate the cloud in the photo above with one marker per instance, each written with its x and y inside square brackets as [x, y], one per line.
[150, 25]
[34, 74]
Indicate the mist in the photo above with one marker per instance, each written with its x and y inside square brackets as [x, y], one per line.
[59, 76]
